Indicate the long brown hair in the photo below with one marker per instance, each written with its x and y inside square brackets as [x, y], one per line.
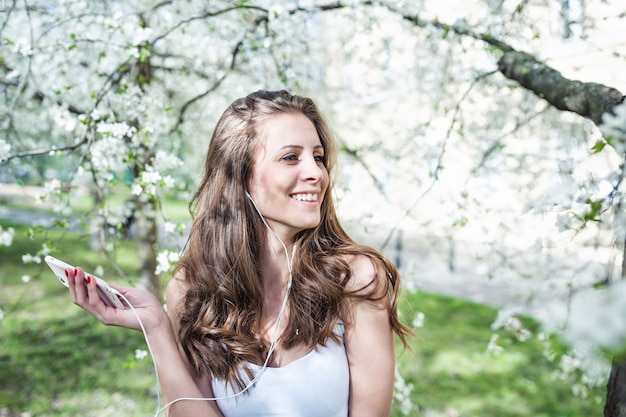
[220, 321]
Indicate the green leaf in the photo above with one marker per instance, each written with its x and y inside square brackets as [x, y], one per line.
[61, 223]
[594, 209]
[601, 285]
[446, 30]
[598, 146]
[144, 54]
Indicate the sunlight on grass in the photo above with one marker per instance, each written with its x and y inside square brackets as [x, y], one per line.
[460, 363]
[511, 403]
[452, 374]
[99, 403]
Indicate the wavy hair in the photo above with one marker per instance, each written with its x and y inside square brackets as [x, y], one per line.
[220, 320]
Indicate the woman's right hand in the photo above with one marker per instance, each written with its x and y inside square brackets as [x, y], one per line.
[146, 305]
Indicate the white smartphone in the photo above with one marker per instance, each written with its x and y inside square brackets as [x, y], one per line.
[108, 295]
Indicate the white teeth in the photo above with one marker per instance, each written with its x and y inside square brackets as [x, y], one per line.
[305, 197]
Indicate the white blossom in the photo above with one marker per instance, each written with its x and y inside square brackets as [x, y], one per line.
[94, 115]
[119, 130]
[136, 189]
[50, 188]
[508, 321]
[6, 236]
[141, 34]
[583, 370]
[150, 177]
[169, 227]
[275, 12]
[164, 161]
[107, 154]
[140, 354]
[514, 325]
[402, 394]
[45, 250]
[504, 315]
[24, 48]
[564, 222]
[492, 347]
[614, 127]
[165, 260]
[562, 194]
[63, 119]
[418, 320]
[31, 259]
[168, 181]
[5, 150]
[26, 279]
[598, 317]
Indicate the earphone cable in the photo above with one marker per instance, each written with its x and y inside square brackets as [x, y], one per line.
[273, 343]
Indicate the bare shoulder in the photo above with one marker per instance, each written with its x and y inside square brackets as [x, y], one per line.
[366, 276]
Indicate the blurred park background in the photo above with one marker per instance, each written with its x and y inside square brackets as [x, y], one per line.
[482, 147]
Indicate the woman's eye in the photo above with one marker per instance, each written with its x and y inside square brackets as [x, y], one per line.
[320, 158]
[290, 157]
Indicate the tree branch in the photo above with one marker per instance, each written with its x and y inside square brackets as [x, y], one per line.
[457, 29]
[218, 82]
[590, 100]
[46, 151]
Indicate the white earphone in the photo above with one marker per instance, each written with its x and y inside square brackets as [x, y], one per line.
[273, 343]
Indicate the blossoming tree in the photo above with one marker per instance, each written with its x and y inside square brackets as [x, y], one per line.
[471, 115]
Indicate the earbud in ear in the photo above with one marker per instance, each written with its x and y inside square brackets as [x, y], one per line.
[249, 196]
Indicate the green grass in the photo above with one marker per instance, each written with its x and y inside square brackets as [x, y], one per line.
[452, 374]
[56, 360]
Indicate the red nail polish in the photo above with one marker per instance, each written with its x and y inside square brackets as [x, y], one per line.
[75, 271]
[88, 279]
[67, 275]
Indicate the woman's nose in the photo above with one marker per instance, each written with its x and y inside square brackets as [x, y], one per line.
[312, 169]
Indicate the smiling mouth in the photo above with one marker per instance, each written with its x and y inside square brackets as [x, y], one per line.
[304, 197]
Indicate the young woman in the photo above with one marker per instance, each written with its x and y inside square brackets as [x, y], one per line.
[273, 310]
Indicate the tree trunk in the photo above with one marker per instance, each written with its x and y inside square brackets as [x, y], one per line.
[97, 229]
[146, 229]
[615, 405]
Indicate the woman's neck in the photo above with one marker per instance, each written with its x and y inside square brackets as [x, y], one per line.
[275, 262]
[276, 258]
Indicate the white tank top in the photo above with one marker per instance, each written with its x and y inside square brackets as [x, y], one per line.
[315, 385]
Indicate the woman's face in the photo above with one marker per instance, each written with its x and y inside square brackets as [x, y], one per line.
[289, 178]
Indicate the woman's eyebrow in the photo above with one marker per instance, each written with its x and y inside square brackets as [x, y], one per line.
[299, 147]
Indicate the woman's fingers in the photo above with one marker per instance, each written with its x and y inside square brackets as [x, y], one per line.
[83, 289]
[70, 273]
[147, 308]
